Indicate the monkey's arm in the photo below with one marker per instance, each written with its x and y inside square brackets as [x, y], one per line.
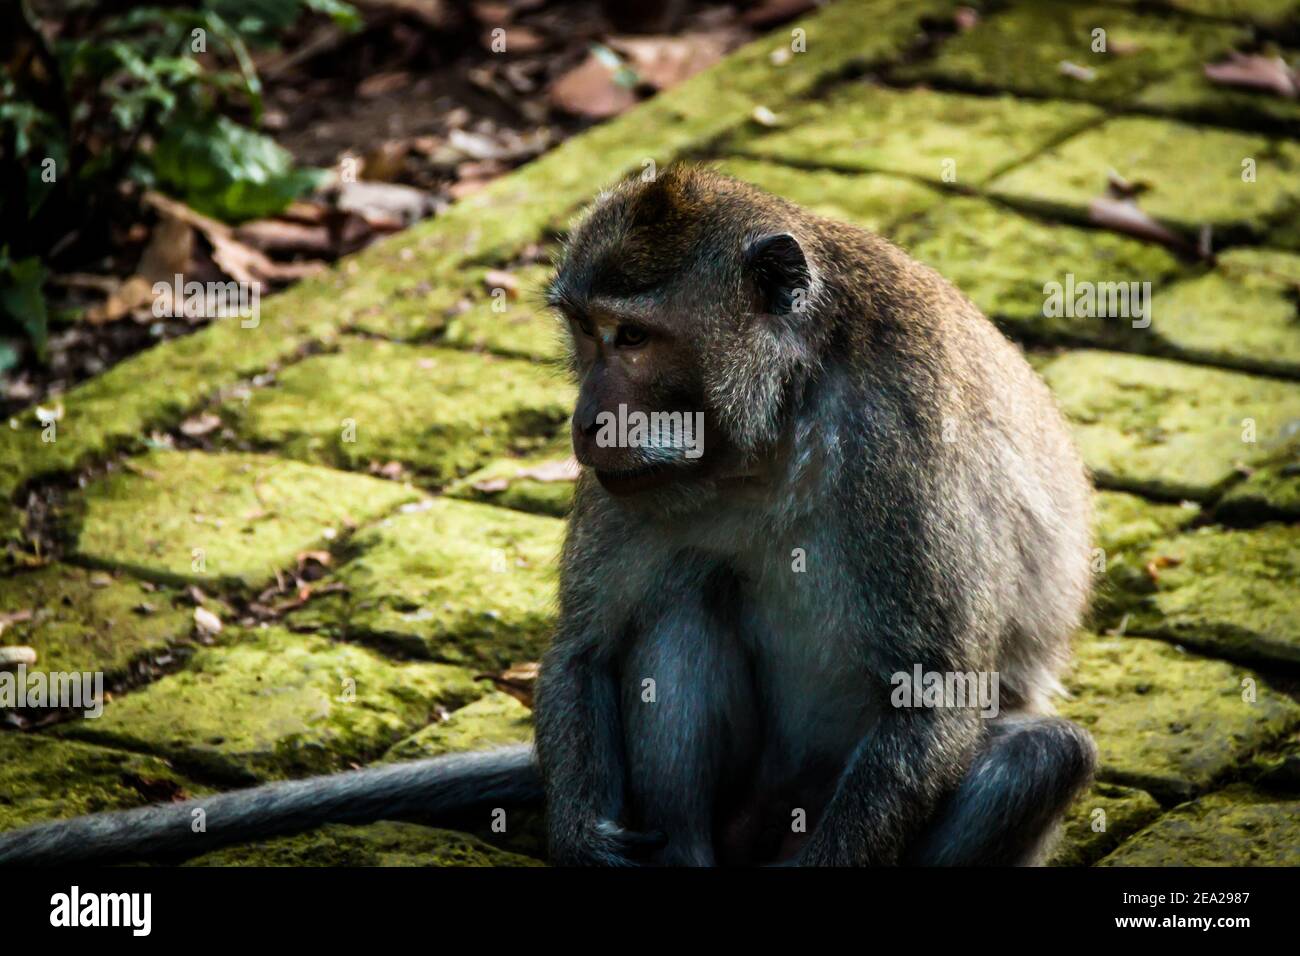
[579, 747]
[892, 785]
[453, 786]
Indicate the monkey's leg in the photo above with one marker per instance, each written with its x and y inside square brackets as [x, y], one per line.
[1024, 778]
[688, 717]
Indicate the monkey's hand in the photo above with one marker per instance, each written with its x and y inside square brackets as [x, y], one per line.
[605, 842]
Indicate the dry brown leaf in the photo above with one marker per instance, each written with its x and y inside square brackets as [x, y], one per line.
[1123, 215]
[564, 469]
[665, 61]
[286, 238]
[590, 89]
[133, 293]
[518, 680]
[1253, 71]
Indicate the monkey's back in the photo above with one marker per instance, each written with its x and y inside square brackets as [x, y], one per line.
[979, 449]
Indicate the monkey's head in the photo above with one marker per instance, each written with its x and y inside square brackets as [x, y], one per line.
[690, 301]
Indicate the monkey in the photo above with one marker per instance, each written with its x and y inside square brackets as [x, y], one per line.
[881, 486]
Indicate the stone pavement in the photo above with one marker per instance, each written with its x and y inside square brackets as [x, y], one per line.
[390, 423]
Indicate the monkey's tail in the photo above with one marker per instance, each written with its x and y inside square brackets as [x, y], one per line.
[440, 788]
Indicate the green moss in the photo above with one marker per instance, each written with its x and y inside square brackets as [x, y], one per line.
[274, 704]
[43, 779]
[379, 844]
[1121, 521]
[1166, 428]
[1270, 492]
[1099, 821]
[1243, 315]
[532, 482]
[1021, 49]
[90, 621]
[418, 311]
[439, 411]
[1237, 826]
[454, 581]
[1002, 261]
[519, 327]
[864, 128]
[872, 201]
[1166, 721]
[1193, 175]
[495, 720]
[249, 515]
[1231, 593]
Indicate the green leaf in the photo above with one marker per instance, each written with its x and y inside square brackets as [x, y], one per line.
[22, 301]
[228, 171]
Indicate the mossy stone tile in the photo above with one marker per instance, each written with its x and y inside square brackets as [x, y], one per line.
[1167, 721]
[1270, 492]
[42, 779]
[1193, 175]
[922, 133]
[511, 322]
[1004, 262]
[1189, 94]
[1021, 50]
[1244, 314]
[1122, 521]
[453, 580]
[442, 412]
[1166, 428]
[1229, 593]
[271, 704]
[419, 310]
[874, 201]
[84, 620]
[541, 482]
[222, 518]
[1238, 826]
[379, 844]
[1099, 821]
[495, 720]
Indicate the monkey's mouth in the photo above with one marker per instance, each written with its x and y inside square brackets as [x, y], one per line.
[633, 480]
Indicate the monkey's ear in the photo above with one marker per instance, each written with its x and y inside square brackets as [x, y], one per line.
[780, 271]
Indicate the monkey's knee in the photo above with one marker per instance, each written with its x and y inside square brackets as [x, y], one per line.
[1009, 802]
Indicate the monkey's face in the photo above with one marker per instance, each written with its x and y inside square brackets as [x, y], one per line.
[640, 421]
[668, 289]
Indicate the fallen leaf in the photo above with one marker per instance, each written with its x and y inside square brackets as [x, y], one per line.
[564, 469]
[518, 680]
[1156, 564]
[200, 425]
[17, 655]
[1253, 71]
[323, 558]
[597, 88]
[377, 84]
[500, 279]
[1123, 215]
[1084, 73]
[286, 238]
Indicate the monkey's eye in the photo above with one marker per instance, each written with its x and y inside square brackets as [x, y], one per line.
[630, 336]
